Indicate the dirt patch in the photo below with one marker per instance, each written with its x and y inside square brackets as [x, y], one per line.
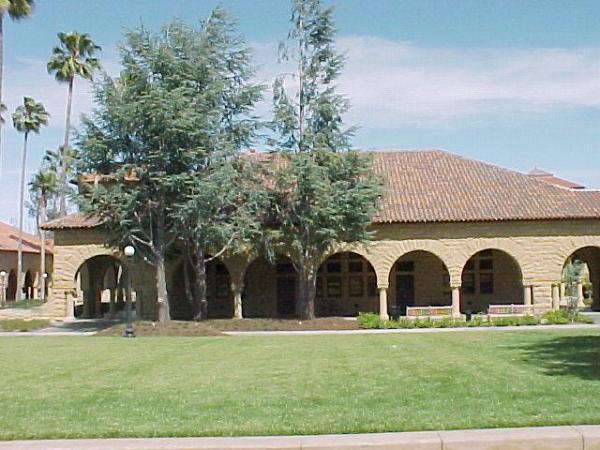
[216, 327]
[326, 323]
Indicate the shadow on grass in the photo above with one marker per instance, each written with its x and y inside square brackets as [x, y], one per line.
[569, 355]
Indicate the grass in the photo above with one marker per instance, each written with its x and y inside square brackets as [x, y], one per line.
[68, 387]
[23, 324]
[24, 304]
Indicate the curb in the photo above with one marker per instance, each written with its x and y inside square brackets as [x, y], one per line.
[585, 437]
[415, 330]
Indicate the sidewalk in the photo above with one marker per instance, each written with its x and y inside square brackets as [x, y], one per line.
[418, 330]
[555, 438]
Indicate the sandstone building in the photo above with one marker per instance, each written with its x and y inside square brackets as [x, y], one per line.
[450, 232]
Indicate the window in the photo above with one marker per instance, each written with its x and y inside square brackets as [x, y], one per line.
[334, 287]
[486, 264]
[486, 283]
[468, 282]
[405, 266]
[334, 267]
[355, 266]
[356, 287]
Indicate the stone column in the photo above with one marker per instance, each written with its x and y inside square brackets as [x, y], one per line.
[456, 302]
[237, 302]
[527, 297]
[580, 303]
[556, 297]
[563, 288]
[111, 307]
[383, 306]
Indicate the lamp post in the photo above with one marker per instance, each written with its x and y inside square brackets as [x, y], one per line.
[43, 287]
[3, 288]
[129, 251]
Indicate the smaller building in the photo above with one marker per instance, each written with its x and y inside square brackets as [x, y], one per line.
[32, 247]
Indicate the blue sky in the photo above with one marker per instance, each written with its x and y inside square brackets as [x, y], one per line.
[514, 83]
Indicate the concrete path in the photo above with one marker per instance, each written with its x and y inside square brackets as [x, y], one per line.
[79, 327]
[555, 438]
[418, 330]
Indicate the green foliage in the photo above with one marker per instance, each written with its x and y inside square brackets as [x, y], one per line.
[167, 134]
[324, 192]
[369, 321]
[74, 57]
[564, 316]
[30, 117]
[17, 9]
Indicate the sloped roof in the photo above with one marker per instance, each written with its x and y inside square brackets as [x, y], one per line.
[552, 179]
[436, 186]
[76, 220]
[9, 240]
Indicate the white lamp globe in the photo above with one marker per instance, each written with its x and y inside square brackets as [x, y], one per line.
[129, 251]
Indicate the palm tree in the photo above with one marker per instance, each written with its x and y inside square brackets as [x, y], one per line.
[27, 118]
[17, 10]
[43, 185]
[73, 57]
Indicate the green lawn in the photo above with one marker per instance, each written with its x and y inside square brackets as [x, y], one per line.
[175, 386]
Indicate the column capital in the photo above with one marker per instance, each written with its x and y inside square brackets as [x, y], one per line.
[383, 286]
[455, 286]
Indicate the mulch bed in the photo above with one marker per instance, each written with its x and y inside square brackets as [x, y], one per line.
[217, 326]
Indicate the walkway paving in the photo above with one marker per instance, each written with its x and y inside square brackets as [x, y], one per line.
[555, 438]
[418, 330]
[79, 327]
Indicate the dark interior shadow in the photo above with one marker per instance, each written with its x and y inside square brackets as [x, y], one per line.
[568, 355]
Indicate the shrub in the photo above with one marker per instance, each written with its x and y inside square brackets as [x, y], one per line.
[370, 321]
[528, 320]
[559, 317]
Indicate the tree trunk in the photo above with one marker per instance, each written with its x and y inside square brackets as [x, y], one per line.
[307, 283]
[42, 279]
[161, 277]
[189, 295]
[200, 284]
[63, 154]
[21, 206]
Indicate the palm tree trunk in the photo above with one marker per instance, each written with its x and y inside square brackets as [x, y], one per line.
[1, 73]
[43, 249]
[65, 150]
[21, 207]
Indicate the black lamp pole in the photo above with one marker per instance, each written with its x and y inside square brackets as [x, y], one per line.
[129, 252]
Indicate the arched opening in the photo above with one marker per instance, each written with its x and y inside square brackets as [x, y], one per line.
[490, 277]
[346, 285]
[101, 285]
[218, 291]
[581, 278]
[28, 288]
[11, 291]
[418, 278]
[270, 288]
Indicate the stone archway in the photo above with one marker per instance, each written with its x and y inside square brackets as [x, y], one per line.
[95, 276]
[346, 285]
[580, 278]
[418, 278]
[491, 276]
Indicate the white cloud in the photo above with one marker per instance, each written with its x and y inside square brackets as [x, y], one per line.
[393, 83]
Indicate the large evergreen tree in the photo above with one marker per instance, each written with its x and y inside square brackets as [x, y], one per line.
[161, 133]
[326, 192]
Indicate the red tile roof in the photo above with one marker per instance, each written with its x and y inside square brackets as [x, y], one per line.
[551, 179]
[437, 186]
[9, 240]
[73, 221]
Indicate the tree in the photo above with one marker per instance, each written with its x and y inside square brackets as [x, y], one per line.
[177, 112]
[16, 10]
[42, 186]
[325, 192]
[27, 118]
[73, 57]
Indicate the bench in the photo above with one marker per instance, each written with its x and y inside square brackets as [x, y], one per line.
[518, 310]
[434, 312]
